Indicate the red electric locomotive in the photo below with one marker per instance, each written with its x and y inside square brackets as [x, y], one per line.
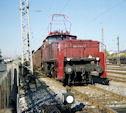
[68, 59]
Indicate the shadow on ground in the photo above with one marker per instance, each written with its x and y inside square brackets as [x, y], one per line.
[40, 98]
[99, 80]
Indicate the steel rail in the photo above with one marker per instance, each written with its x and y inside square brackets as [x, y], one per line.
[93, 102]
[118, 69]
[116, 72]
[108, 92]
[115, 78]
[85, 98]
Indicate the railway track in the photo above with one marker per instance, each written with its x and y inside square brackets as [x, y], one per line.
[99, 100]
[105, 101]
[118, 69]
[96, 100]
[117, 79]
[117, 73]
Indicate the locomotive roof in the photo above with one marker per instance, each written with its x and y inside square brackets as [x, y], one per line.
[53, 35]
[61, 35]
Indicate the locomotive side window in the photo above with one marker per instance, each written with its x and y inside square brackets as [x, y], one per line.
[60, 37]
[73, 38]
[53, 39]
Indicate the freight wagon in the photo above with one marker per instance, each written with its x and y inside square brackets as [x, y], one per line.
[114, 60]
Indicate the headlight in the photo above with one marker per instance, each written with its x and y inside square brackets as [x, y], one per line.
[68, 59]
[69, 99]
[97, 58]
[68, 69]
[89, 56]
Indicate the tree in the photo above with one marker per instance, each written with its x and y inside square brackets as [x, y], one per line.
[125, 54]
[122, 54]
[0, 54]
[19, 58]
[106, 53]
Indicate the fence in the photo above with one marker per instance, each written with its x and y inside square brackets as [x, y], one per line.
[8, 84]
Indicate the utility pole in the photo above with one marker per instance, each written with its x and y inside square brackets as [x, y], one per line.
[25, 35]
[118, 59]
[102, 46]
[0, 53]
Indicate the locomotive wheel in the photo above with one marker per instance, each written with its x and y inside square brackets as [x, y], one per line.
[52, 70]
[45, 68]
[52, 73]
[65, 82]
[69, 80]
[90, 79]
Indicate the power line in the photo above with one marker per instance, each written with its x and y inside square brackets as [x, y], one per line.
[118, 59]
[102, 47]
[65, 5]
[108, 10]
[50, 7]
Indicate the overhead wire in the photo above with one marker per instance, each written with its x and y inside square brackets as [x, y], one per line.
[65, 5]
[57, 11]
[51, 4]
[108, 10]
[49, 9]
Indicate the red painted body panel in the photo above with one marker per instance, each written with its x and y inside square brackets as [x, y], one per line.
[103, 64]
[51, 51]
[72, 49]
[60, 74]
[80, 48]
[37, 57]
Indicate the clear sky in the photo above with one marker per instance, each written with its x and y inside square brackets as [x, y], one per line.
[87, 17]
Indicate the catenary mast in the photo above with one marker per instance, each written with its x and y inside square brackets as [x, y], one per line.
[25, 35]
